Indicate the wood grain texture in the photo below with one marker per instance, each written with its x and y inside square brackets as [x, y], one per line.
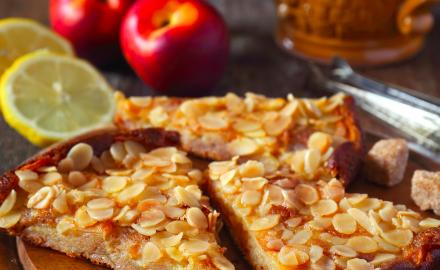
[256, 64]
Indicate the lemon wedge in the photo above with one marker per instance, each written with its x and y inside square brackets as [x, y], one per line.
[48, 97]
[21, 36]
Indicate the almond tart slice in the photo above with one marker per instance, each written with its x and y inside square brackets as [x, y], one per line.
[125, 200]
[280, 222]
[255, 127]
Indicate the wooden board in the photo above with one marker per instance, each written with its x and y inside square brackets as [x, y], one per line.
[35, 258]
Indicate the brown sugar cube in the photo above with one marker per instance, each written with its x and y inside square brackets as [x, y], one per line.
[425, 190]
[386, 161]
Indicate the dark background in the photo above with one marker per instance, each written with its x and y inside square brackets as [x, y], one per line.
[256, 64]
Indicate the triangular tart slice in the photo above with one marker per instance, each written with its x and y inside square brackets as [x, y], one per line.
[125, 200]
[284, 222]
[256, 127]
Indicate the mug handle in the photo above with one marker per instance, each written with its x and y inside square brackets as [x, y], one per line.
[414, 16]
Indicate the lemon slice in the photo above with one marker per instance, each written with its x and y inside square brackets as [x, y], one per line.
[48, 97]
[21, 36]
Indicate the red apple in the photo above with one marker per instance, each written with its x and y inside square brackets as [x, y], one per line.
[176, 46]
[91, 25]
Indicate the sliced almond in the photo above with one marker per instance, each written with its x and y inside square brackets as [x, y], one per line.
[359, 264]
[174, 212]
[82, 218]
[301, 237]
[399, 238]
[112, 184]
[130, 193]
[60, 203]
[65, 224]
[251, 169]
[319, 141]
[292, 257]
[382, 258]
[212, 122]
[42, 198]
[81, 155]
[151, 218]
[264, 223]
[307, 194]
[344, 223]
[117, 151]
[195, 246]
[427, 223]
[51, 178]
[277, 124]
[324, 208]
[243, 147]
[312, 159]
[186, 198]
[343, 250]
[363, 244]
[362, 219]
[316, 253]
[101, 203]
[196, 218]
[143, 231]
[158, 116]
[251, 198]
[100, 214]
[134, 148]
[222, 263]
[9, 220]
[8, 203]
[150, 253]
[244, 126]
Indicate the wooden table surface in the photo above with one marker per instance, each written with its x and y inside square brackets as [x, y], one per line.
[256, 64]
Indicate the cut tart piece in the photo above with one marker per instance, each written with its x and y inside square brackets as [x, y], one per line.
[256, 127]
[283, 222]
[126, 200]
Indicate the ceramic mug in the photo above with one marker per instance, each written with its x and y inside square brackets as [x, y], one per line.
[364, 32]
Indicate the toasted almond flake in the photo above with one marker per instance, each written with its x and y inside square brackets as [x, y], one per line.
[150, 253]
[65, 165]
[343, 250]
[42, 198]
[126, 216]
[243, 147]
[251, 198]
[117, 151]
[362, 219]
[426, 223]
[9, 220]
[301, 237]
[82, 218]
[100, 214]
[174, 212]
[151, 218]
[222, 263]
[271, 164]
[158, 116]
[154, 161]
[333, 190]
[186, 198]
[312, 159]
[387, 213]
[369, 204]
[178, 226]
[227, 177]
[143, 231]
[311, 107]
[357, 198]
[265, 223]
[51, 178]
[196, 218]
[256, 183]
[112, 184]
[97, 165]
[324, 208]
[320, 223]
[319, 141]
[363, 244]
[290, 108]
[65, 224]
[277, 125]
[8, 203]
[174, 254]
[293, 222]
[244, 126]
[180, 158]
[325, 263]
[379, 259]
[134, 148]
[196, 175]
[344, 223]
[194, 246]
[274, 244]
[212, 122]
[276, 194]
[344, 204]
[195, 190]
[331, 239]
[359, 264]
[297, 161]
[81, 154]
[251, 169]
[26, 175]
[292, 257]
[101, 203]
[60, 203]
[385, 246]
[76, 178]
[131, 192]
[398, 237]
[316, 253]
[172, 240]
[307, 194]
